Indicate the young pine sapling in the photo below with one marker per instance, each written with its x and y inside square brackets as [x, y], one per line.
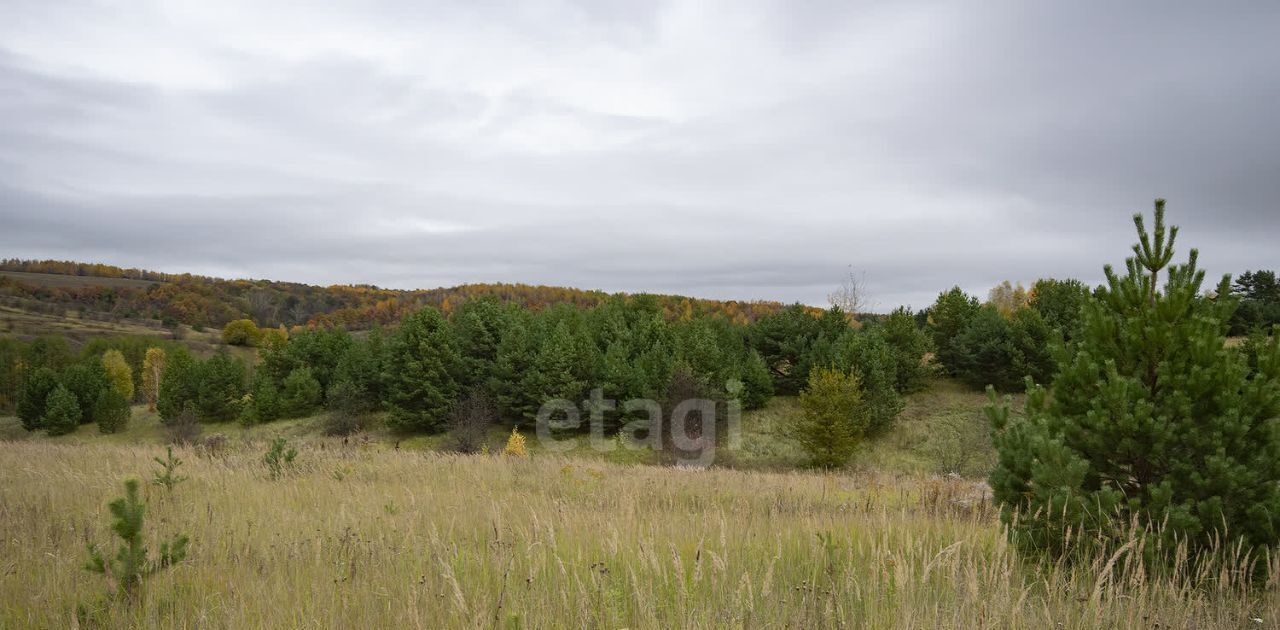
[130, 565]
[166, 476]
[279, 456]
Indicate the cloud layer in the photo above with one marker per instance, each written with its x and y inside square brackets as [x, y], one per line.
[737, 150]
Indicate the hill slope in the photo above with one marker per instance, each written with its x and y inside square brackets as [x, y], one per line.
[106, 292]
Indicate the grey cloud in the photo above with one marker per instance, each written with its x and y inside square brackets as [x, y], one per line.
[751, 151]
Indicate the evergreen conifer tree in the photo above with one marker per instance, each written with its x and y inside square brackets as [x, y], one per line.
[555, 372]
[131, 564]
[867, 354]
[948, 317]
[33, 397]
[111, 411]
[757, 385]
[220, 387]
[834, 417]
[179, 384]
[85, 381]
[423, 365]
[1150, 420]
[300, 393]
[61, 412]
[909, 345]
[479, 325]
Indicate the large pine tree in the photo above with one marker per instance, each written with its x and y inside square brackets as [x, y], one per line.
[423, 369]
[1150, 419]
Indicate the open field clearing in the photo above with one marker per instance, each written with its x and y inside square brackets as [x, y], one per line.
[942, 430]
[358, 538]
[62, 281]
[25, 324]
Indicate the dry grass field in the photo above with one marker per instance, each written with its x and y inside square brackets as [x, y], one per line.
[941, 430]
[360, 537]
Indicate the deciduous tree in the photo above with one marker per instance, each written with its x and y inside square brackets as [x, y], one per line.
[152, 371]
[118, 373]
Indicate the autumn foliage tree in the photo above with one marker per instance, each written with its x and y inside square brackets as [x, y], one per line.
[1007, 298]
[241, 332]
[118, 373]
[152, 371]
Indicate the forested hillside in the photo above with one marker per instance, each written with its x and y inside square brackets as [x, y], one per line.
[202, 301]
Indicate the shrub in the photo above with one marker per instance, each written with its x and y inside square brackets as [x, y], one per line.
[272, 337]
[833, 418]
[131, 564]
[184, 427]
[960, 444]
[1151, 421]
[61, 412]
[469, 422]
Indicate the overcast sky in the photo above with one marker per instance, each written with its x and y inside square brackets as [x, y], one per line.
[744, 149]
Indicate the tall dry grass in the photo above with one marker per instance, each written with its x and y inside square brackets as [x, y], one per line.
[379, 539]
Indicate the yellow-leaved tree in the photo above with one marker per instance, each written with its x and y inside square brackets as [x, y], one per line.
[152, 370]
[515, 445]
[118, 373]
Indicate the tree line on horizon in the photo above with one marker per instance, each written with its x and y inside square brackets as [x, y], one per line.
[202, 301]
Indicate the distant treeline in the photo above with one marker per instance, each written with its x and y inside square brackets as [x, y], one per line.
[1009, 337]
[510, 357]
[205, 301]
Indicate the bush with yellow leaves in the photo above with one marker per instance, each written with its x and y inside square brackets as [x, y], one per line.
[515, 445]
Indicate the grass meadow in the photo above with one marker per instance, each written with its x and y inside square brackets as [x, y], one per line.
[365, 537]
